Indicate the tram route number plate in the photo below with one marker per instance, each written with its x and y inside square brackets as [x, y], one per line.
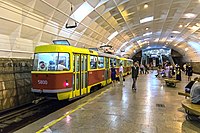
[42, 82]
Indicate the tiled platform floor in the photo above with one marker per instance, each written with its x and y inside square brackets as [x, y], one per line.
[154, 108]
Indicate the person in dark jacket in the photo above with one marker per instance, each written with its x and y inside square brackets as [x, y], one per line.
[113, 75]
[190, 71]
[135, 71]
[190, 84]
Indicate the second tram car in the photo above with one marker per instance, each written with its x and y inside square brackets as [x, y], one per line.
[67, 72]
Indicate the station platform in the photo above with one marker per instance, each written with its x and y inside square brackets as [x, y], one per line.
[153, 108]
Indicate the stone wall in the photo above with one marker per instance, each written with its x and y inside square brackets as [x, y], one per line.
[196, 67]
[15, 82]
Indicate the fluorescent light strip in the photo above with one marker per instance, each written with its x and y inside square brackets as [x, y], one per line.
[189, 15]
[147, 19]
[84, 10]
[148, 33]
[112, 35]
[175, 32]
[123, 45]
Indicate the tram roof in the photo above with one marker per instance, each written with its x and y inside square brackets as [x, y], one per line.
[63, 48]
[107, 55]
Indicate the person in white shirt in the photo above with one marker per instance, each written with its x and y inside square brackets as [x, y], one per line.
[121, 70]
[61, 65]
[195, 92]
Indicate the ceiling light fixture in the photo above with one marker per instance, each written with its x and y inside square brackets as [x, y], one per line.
[147, 19]
[146, 28]
[146, 6]
[180, 26]
[189, 15]
[148, 33]
[82, 12]
[175, 32]
[112, 35]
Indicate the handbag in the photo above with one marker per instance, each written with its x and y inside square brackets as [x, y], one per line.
[123, 79]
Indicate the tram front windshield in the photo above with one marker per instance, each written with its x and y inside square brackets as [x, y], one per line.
[51, 62]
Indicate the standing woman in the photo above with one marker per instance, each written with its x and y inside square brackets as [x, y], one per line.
[189, 72]
[113, 75]
[178, 72]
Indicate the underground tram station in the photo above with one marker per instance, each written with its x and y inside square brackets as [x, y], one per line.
[100, 66]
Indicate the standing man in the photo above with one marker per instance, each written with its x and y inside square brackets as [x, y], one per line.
[121, 70]
[189, 72]
[135, 70]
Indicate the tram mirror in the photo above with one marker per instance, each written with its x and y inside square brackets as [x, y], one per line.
[71, 26]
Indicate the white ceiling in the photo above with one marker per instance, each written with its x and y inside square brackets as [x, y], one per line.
[174, 24]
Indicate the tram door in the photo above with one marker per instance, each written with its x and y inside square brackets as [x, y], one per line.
[84, 74]
[80, 75]
[106, 70]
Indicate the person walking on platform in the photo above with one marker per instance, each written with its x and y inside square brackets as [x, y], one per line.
[113, 75]
[178, 72]
[121, 73]
[146, 69]
[173, 70]
[141, 68]
[186, 70]
[135, 71]
[189, 72]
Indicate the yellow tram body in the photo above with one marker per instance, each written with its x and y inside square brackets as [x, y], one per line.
[85, 71]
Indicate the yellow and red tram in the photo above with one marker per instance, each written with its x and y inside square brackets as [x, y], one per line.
[83, 70]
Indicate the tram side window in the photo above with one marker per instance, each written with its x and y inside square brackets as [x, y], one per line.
[100, 62]
[125, 63]
[117, 62]
[114, 62]
[121, 62]
[128, 63]
[111, 62]
[93, 62]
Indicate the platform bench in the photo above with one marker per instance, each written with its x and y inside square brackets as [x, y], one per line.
[192, 110]
[184, 94]
[171, 82]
